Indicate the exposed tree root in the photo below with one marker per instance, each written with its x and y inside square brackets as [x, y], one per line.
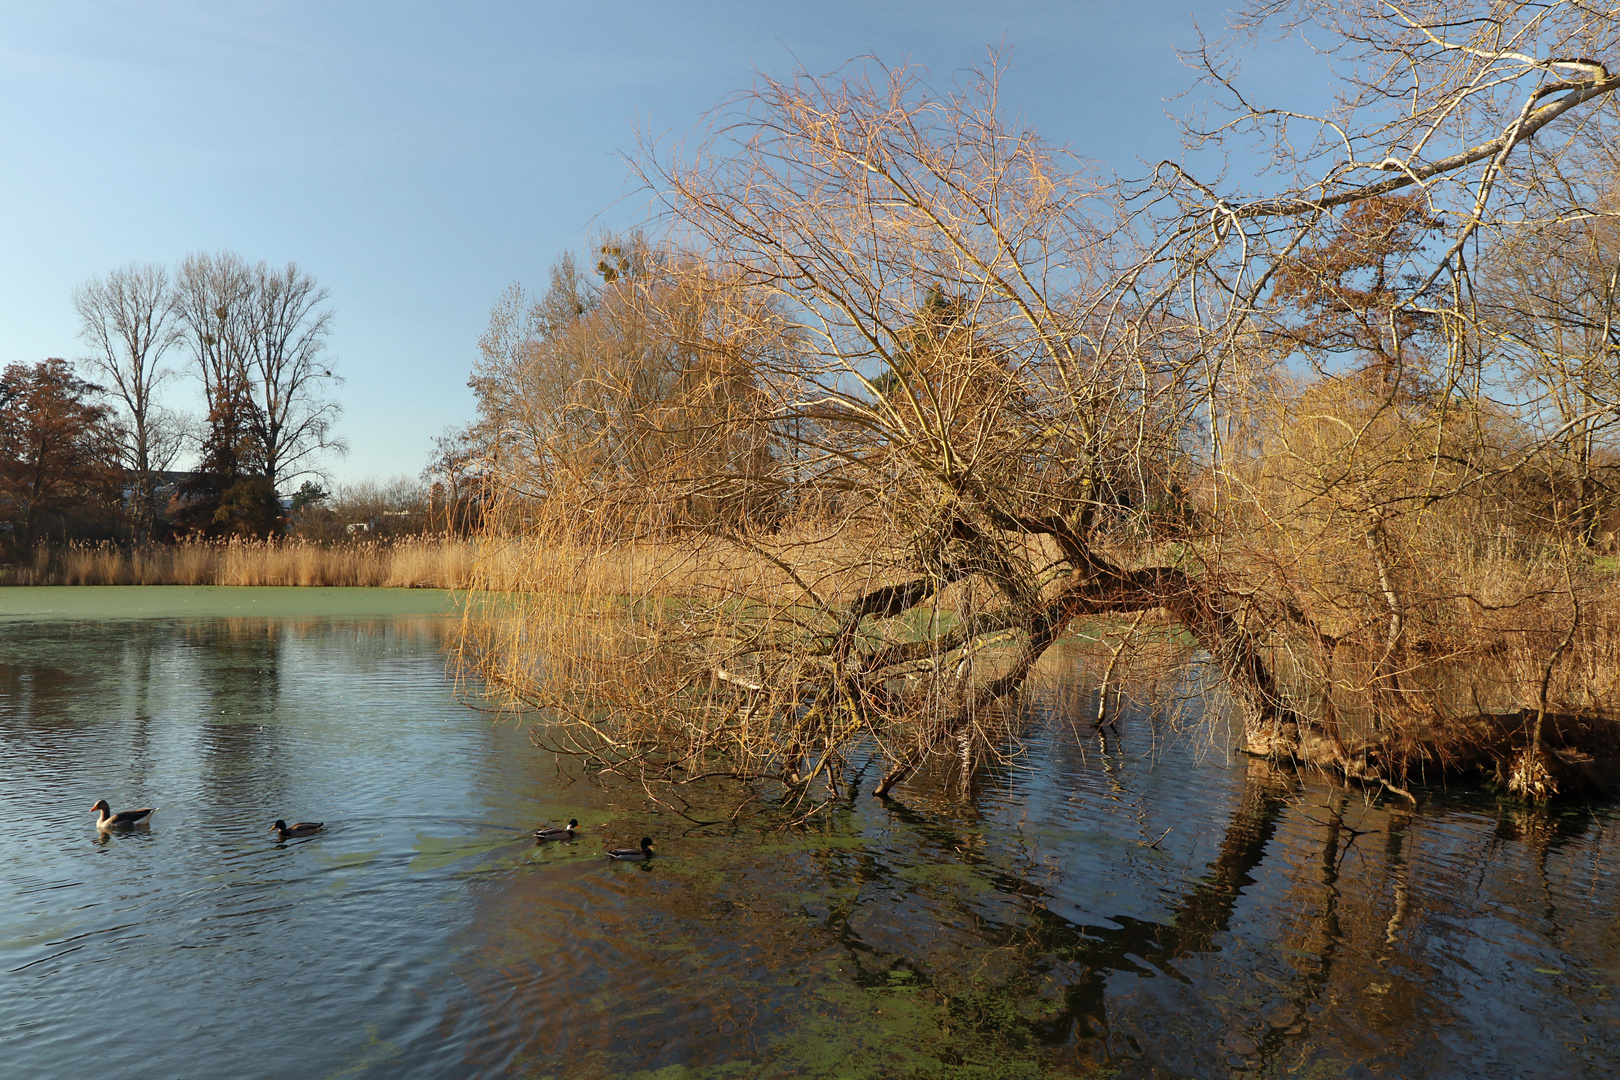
[1580, 755]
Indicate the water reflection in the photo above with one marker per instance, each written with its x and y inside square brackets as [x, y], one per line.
[1144, 903]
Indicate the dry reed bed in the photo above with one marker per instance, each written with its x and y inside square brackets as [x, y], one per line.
[1485, 644]
[648, 569]
[548, 626]
[492, 563]
[420, 562]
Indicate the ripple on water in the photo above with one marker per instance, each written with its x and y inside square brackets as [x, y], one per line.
[1156, 905]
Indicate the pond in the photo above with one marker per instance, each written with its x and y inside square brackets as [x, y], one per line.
[1150, 904]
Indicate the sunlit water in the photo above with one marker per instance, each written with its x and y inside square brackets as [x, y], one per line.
[1152, 907]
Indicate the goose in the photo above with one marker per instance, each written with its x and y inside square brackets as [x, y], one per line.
[124, 819]
[302, 828]
[630, 854]
[542, 835]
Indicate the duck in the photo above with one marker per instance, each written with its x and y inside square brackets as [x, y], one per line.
[302, 828]
[542, 835]
[124, 819]
[630, 854]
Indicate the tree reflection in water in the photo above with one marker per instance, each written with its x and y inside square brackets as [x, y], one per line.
[1326, 934]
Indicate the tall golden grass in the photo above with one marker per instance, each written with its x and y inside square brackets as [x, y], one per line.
[660, 657]
[417, 562]
[690, 657]
[555, 613]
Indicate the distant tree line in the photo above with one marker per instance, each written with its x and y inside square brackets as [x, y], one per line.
[89, 454]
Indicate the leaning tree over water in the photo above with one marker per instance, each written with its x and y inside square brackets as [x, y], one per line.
[1003, 395]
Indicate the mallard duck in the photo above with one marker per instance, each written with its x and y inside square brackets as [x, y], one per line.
[542, 835]
[124, 819]
[630, 854]
[302, 828]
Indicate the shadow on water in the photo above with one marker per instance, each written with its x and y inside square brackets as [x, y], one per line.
[889, 942]
[1151, 907]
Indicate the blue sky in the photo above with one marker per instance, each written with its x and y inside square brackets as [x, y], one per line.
[419, 158]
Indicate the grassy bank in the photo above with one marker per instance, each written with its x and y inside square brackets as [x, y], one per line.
[417, 562]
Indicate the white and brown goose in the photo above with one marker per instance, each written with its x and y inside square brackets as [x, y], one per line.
[106, 820]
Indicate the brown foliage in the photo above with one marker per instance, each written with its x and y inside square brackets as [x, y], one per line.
[1346, 286]
[57, 449]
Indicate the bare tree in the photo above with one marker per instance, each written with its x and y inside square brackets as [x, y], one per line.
[211, 304]
[1023, 396]
[969, 421]
[214, 305]
[127, 318]
[1493, 99]
[1550, 302]
[611, 398]
[257, 337]
[456, 477]
[287, 328]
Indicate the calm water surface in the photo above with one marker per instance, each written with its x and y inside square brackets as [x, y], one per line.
[1152, 907]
